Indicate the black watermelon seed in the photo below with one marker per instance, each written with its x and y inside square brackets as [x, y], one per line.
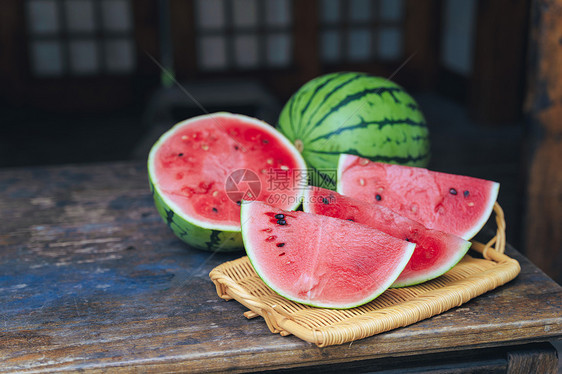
[280, 245]
[281, 222]
[265, 141]
[282, 254]
[279, 216]
[466, 193]
[452, 191]
[325, 201]
[407, 239]
[351, 219]
[180, 154]
[215, 210]
[378, 197]
[238, 203]
[236, 147]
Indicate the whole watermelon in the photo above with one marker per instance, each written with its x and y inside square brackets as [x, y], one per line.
[358, 114]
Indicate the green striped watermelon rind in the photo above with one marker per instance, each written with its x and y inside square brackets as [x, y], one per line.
[360, 119]
[194, 232]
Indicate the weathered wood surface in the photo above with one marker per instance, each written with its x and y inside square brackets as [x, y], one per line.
[543, 229]
[541, 359]
[91, 278]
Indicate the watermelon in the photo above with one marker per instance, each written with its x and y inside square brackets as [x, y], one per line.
[319, 260]
[457, 204]
[436, 251]
[202, 168]
[354, 113]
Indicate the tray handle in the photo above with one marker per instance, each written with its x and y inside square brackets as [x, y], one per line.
[497, 243]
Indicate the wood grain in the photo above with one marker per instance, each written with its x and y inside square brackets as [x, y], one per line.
[540, 359]
[91, 279]
[543, 229]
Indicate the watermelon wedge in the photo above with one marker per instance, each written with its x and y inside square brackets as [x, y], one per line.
[436, 251]
[202, 168]
[456, 204]
[319, 260]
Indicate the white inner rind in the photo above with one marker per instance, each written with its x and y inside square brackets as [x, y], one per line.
[306, 200]
[459, 254]
[494, 191]
[341, 162]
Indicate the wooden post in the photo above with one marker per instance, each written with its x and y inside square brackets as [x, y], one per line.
[305, 34]
[13, 63]
[146, 36]
[421, 40]
[543, 228]
[538, 358]
[496, 89]
[182, 19]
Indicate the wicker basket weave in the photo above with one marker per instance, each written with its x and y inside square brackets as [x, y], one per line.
[395, 308]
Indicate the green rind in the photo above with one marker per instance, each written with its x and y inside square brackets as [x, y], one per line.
[197, 233]
[358, 114]
[194, 235]
[244, 217]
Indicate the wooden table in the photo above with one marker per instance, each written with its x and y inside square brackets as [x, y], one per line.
[91, 279]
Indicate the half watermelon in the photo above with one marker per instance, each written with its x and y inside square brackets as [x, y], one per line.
[319, 260]
[202, 169]
[436, 251]
[456, 204]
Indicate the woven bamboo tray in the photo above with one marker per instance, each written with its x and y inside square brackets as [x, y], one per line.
[395, 308]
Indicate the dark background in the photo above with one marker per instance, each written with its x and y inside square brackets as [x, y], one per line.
[85, 81]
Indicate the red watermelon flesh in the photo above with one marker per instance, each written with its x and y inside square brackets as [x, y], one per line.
[456, 204]
[193, 162]
[319, 260]
[436, 251]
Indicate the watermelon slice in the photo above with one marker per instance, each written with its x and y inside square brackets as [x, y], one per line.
[456, 204]
[319, 260]
[202, 168]
[436, 251]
